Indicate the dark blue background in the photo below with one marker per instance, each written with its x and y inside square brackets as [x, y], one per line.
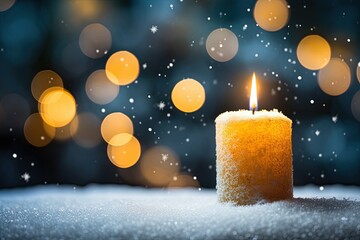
[34, 34]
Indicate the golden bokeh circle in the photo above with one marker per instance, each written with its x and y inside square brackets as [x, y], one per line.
[85, 130]
[57, 107]
[6, 5]
[114, 124]
[37, 132]
[271, 15]
[100, 89]
[95, 40]
[44, 80]
[313, 52]
[120, 139]
[122, 68]
[159, 165]
[47, 91]
[78, 12]
[127, 154]
[335, 78]
[222, 45]
[188, 95]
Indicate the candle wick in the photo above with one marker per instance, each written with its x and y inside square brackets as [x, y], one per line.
[253, 111]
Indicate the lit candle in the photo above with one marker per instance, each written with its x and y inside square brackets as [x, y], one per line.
[254, 155]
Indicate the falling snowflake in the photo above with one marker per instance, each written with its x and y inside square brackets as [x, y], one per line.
[144, 66]
[317, 132]
[154, 29]
[161, 105]
[164, 156]
[334, 118]
[25, 176]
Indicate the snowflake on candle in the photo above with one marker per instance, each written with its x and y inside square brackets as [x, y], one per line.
[164, 156]
[161, 105]
[26, 177]
[154, 29]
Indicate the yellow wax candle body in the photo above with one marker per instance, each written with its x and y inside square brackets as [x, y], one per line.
[254, 157]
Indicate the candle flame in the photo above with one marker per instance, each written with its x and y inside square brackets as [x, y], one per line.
[253, 95]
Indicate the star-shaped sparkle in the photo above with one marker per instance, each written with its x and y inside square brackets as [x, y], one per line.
[161, 105]
[26, 177]
[164, 156]
[154, 29]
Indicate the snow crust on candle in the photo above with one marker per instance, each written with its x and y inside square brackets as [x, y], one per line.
[247, 115]
[254, 156]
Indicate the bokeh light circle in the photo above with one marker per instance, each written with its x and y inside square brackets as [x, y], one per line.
[85, 130]
[355, 105]
[122, 68]
[78, 12]
[335, 78]
[114, 124]
[127, 154]
[159, 165]
[358, 72]
[313, 52]
[37, 132]
[222, 45]
[95, 40]
[6, 5]
[120, 139]
[44, 80]
[188, 95]
[57, 107]
[271, 15]
[99, 89]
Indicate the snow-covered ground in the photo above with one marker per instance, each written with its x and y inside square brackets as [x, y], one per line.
[118, 212]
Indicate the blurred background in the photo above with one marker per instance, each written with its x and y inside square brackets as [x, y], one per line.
[172, 40]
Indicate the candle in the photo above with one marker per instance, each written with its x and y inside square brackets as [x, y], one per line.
[254, 155]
